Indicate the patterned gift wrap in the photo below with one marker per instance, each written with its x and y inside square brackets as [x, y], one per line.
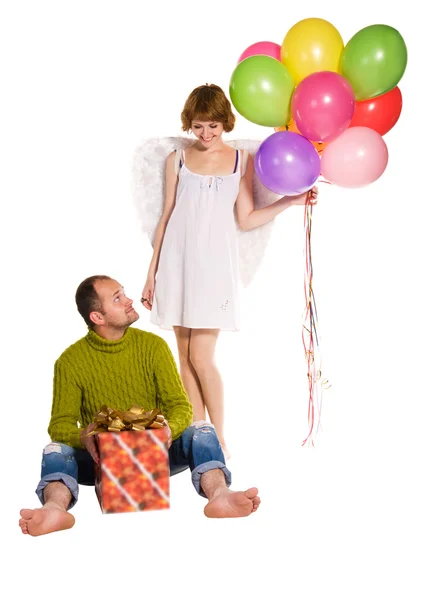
[134, 471]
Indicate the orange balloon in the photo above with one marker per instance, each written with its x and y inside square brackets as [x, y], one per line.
[320, 146]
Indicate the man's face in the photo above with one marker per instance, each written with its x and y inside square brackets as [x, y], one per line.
[117, 310]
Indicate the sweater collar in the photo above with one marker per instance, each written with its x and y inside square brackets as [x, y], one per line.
[110, 346]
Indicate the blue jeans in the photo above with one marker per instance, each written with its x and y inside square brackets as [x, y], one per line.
[198, 448]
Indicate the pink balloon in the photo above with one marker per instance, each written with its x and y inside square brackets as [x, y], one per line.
[323, 105]
[266, 48]
[358, 157]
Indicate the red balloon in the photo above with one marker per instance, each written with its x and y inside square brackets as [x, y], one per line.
[380, 113]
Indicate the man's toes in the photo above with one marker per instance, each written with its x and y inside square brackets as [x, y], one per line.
[255, 503]
[23, 526]
[251, 493]
[26, 513]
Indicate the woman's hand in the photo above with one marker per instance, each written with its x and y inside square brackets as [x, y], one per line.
[309, 197]
[148, 292]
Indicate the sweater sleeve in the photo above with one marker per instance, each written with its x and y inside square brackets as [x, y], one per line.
[171, 397]
[65, 412]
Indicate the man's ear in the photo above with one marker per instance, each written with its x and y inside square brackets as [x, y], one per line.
[97, 318]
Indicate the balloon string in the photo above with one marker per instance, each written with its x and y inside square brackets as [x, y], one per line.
[310, 337]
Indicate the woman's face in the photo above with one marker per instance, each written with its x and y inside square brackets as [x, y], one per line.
[207, 132]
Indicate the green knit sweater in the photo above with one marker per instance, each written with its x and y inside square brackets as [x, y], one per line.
[137, 369]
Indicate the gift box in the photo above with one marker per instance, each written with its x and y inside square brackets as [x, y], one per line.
[134, 471]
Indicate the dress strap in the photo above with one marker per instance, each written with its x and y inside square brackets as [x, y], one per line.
[236, 161]
[178, 161]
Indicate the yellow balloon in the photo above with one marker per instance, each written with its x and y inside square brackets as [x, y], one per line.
[311, 45]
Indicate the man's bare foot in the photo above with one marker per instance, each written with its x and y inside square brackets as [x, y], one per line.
[228, 504]
[45, 520]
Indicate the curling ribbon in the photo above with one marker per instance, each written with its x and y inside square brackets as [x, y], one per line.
[310, 337]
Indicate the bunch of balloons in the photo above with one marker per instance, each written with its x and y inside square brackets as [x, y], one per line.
[330, 104]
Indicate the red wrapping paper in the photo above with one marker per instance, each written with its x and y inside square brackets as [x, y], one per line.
[134, 471]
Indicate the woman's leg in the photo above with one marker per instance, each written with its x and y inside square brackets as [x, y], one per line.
[188, 374]
[202, 357]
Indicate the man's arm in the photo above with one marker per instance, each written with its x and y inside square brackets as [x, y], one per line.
[171, 397]
[65, 412]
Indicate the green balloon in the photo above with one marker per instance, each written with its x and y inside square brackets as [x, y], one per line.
[260, 89]
[374, 60]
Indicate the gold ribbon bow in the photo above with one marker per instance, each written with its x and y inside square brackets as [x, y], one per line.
[108, 419]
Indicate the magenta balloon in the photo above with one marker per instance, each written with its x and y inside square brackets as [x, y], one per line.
[358, 157]
[287, 163]
[266, 48]
[323, 105]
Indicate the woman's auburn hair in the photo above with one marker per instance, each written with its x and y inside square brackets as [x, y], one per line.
[208, 103]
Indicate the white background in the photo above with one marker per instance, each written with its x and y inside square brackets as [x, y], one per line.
[361, 516]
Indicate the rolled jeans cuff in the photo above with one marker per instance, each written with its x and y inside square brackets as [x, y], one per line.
[204, 468]
[67, 480]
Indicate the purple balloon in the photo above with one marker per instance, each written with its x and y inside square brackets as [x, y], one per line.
[287, 163]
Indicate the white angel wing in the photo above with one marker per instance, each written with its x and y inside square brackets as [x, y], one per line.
[149, 195]
[149, 179]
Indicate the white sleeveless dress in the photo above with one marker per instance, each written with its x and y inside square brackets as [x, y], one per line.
[197, 281]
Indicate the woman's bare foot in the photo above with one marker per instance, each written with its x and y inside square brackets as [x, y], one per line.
[43, 520]
[228, 504]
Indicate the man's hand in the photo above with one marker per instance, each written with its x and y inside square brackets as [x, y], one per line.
[170, 437]
[89, 442]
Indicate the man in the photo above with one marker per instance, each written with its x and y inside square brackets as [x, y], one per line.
[118, 365]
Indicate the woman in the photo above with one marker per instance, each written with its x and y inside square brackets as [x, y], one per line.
[192, 282]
